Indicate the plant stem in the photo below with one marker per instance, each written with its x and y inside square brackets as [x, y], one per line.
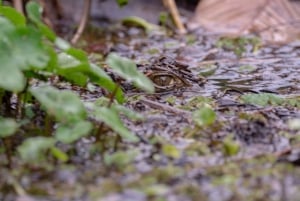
[83, 21]
[111, 100]
[7, 147]
[171, 5]
[48, 123]
[18, 4]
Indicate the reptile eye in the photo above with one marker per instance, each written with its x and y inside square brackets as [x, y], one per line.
[165, 81]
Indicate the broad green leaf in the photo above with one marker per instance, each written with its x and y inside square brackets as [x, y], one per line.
[14, 16]
[53, 60]
[34, 11]
[28, 50]
[47, 32]
[103, 101]
[262, 99]
[98, 76]
[59, 154]
[73, 132]
[33, 150]
[65, 106]
[78, 54]
[204, 116]
[69, 66]
[61, 43]
[67, 61]
[24, 45]
[6, 28]
[8, 127]
[127, 69]
[11, 78]
[110, 117]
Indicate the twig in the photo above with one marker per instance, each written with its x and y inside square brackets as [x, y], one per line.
[164, 107]
[18, 4]
[171, 5]
[83, 21]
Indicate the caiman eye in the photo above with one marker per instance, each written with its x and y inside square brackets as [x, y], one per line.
[166, 81]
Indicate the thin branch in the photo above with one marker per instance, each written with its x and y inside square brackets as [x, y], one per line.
[18, 4]
[171, 5]
[83, 21]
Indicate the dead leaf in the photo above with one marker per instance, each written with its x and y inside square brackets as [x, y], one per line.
[276, 21]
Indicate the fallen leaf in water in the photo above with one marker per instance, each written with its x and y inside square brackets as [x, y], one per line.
[276, 21]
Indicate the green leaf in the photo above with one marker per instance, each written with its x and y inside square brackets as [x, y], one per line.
[62, 44]
[65, 106]
[120, 158]
[103, 101]
[34, 12]
[59, 154]
[47, 32]
[8, 127]
[24, 45]
[66, 61]
[73, 132]
[127, 69]
[139, 22]
[70, 67]
[262, 99]
[78, 54]
[110, 117]
[98, 76]
[122, 3]
[33, 150]
[171, 151]
[14, 16]
[204, 116]
[11, 78]
[28, 50]
[230, 147]
[128, 112]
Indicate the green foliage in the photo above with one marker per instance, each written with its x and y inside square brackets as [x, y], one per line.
[30, 52]
[262, 99]
[8, 127]
[33, 150]
[238, 44]
[127, 69]
[69, 133]
[110, 116]
[120, 158]
[230, 147]
[122, 3]
[171, 151]
[14, 16]
[204, 116]
[139, 22]
[65, 106]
